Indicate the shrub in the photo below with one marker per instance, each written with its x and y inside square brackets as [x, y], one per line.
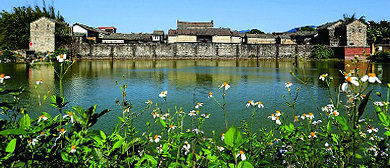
[322, 52]
[381, 56]
[8, 56]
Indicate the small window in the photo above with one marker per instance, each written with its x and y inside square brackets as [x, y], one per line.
[353, 30]
[36, 26]
[360, 31]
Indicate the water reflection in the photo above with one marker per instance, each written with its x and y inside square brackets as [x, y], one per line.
[93, 82]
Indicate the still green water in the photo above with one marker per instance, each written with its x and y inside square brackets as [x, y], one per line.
[93, 82]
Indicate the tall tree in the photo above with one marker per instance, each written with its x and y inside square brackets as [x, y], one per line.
[15, 25]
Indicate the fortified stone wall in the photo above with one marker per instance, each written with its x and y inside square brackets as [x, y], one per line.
[192, 51]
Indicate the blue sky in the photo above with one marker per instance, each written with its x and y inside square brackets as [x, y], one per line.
[268, 16]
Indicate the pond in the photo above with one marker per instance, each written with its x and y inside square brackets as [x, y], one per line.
[90, 82]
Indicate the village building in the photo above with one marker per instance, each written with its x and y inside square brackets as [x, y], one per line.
[158, 36]
[266, 38]
[89, 33]
[202, 32]
[108, 29]
[43, 36]
[347, 39]
[126, 38]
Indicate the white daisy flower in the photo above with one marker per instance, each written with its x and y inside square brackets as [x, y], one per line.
[242, 154]
[310, 116]
[210, 94]
[32, 142]
[220, 148]
[61, 57]
[278, 121]
[323, 76]
[2, 77]
[198, 105]
[192, 113]
[42, 118]
[312, 135]
[259, 104]
[69, 115]
[278, 113]
[336, 113]
[73, 149]
[156, 138]
[186, 148]
[222, 136]
[250, 103]
[272, 116]
[225, 85]
[159, 149]
[372, 129]
[155, 114]
[163, 94]
[148, 102]
[303, 116]
[39, 82]
[171, 127]
[205, 115]
[362, 134]
[371, 78]
[352, 80]
[379, 103]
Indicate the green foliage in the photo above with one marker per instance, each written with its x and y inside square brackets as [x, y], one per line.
[380, 56]
[322, 52]
[256, 31]
[307, 28]
[340, 134]
[377, 31]
[15, 25]
[8, 56]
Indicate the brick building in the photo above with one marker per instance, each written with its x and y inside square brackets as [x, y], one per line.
[43, 36]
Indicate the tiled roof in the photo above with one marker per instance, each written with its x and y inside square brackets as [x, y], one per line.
[304, 33]
[131, 37]
[158, 32]
[202, 32]
[184, 25]
[112, 27]
[265, 36]
[326, 25]
[90, 28]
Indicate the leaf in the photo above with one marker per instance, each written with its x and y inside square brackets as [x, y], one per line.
[343, 122]
[11, 146]
[233, 137]
[149, 159]
[329, 126]
[358, 156]
[118, 143]
[382, 117]
[25, 121]
[387, 133]
[13, 132]
[163, 123]
[363, 104]
[64, 156]
[245, 164]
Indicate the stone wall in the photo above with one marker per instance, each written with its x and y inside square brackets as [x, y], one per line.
[192, 51]
[42, 35]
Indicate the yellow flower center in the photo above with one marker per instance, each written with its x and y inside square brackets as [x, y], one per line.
[73, 147]
[371, 74]
[42, 116]
[241, 152]
[304, 115]
[346, 74]
[310, 114]
[260, 102]
[277, 118]
[335, 113]
[69, 114]
[323, 75]
[42, 133]
[223, 134]
[62, 56]
[40, 80]
[224, 84]
[2, 75]
[62, 130]
[170, 126]
[30, 140]
[210, 93]
[249, 102]
[198, 103]
[272, 114]
[312, 134]
[155, 136]
[371, 128]
[349, 79]
[41, 59]
[277, 112]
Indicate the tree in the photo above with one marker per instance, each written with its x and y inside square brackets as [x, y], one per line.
[256, 31]
[15, 25]
[307, 28]
[347, 18]
[378, 30]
